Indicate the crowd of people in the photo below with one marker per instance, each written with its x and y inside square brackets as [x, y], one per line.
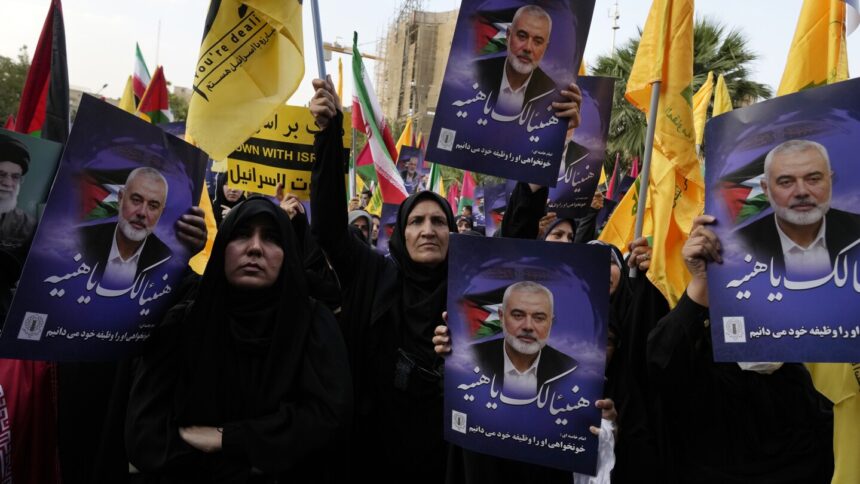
[304, 354]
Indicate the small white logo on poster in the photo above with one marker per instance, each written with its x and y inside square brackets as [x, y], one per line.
[734, 330]
[32, 326]
[446, 139]
[458, 421]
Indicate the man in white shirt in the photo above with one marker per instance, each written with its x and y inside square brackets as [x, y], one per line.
[804, 235]
[521, 362]
[121, 251]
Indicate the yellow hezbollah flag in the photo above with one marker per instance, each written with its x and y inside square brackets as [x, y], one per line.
[818, 56]
[722, 100]
[251, 60]
[405, 137]
[818, 53]
[602, 180]
[374, 206]
[676, 188]
[198, 262]
[126, 102]
[701, 100]
[339, 78]
[582, 68]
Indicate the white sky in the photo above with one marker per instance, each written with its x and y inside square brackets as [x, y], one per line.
[100, 34]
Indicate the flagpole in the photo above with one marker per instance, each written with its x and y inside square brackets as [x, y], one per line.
[645, 174]
[352, 180]
[315, 12]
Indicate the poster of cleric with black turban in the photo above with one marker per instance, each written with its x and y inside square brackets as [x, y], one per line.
[105, 263]
[579, 172]
[509, 62]
[780, 181]
[528, 329]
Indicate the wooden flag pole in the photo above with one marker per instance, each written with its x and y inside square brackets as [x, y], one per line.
[645, 174]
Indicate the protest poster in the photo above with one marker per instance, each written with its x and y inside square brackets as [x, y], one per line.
[788, 224]
[500, 314]
[495, 113]
[410, 165]
[495, 202]
[387, 220]
[281, 151]
[42, 167]
[105, 263]
[579, 173]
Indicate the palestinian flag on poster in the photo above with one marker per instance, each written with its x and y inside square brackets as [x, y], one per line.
[44, 107]
[155, 105]
[490, 29]
[481, 312]
[370, 119]
[141, 74]
[741, 191]
[100, 193]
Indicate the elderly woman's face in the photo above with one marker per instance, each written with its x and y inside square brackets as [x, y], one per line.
[254, 255]
[427, 233]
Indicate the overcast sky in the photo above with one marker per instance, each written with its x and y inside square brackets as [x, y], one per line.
[101, 34]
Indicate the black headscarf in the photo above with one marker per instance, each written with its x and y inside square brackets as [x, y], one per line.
[220, 201]
[243, 348]
[424, 289]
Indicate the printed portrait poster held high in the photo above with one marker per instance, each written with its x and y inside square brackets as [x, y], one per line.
[105, 263]
[781, 180]
[509, 62]
[528, 323]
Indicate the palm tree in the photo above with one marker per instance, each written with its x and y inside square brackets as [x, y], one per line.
[714, 49]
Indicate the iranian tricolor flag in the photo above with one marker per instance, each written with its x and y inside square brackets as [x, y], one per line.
[141, 74]
[367, 116]
[467, 195]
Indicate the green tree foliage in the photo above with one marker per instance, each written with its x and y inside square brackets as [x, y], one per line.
[13, 73]
[178, 106]
[715, 48]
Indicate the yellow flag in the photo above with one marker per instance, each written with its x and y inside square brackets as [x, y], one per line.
[701, 100]
[722, 100]
[374, 206]
[818, 53]
[250, 62]
[602, 180]
[340, 78]
[126, 102]
[405, 136]
[676, 188]
[582, 68]
[199, 261]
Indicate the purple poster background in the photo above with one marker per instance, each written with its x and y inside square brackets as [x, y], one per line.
[471, 130]
[495, 202]
[61, 311]
[759, 311]
[387, 219]
[580, 172]
[550, 429]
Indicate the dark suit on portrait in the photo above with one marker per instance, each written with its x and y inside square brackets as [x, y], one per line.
[96, 241]
[489, 72]
[762, 239]
[553, 364]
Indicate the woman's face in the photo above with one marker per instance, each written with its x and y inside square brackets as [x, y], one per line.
[232, 194]
[563, 232]
[426, 233]
[614, 277]
[254, 255]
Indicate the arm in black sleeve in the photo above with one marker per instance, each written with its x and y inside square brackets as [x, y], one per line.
[675, 345]
[524, 211]
[313, 420]
[586, 227]
[328, 199]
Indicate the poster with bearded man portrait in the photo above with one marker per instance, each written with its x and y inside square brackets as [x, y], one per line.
[528, 326]
[510, 60]
[781, 181]
[105, 262]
